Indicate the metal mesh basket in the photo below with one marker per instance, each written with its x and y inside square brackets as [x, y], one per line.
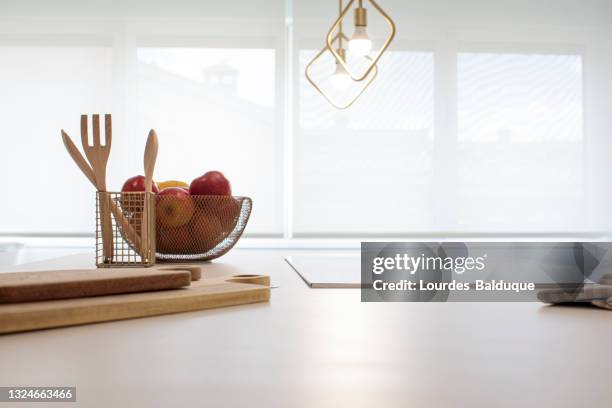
[198, 227]
[129, 213]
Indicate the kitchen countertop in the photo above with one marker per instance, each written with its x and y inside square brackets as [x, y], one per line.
[322, 348]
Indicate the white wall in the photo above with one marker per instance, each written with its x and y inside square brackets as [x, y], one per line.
[413, 156]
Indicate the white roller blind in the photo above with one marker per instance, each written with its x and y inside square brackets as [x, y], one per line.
[216, 109]
[368, 169]
[44, 89]
[487, 117]
[205, 75]
[520, 153]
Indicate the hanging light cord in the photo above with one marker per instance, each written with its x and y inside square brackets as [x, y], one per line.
[340, 25]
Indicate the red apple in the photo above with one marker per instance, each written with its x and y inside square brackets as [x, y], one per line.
[174, 240]
[206, 231]
[133, 203]
[137, 183]
[211, 183]
[174, 207]
[227, 209]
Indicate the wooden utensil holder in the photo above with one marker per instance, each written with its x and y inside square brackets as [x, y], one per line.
[133, 227]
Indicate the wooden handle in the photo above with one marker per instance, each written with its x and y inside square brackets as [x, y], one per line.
[106, 223]
[127, 229]
[150, 157]
[78, 158]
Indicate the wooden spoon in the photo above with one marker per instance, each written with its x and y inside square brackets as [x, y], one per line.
[150, 156]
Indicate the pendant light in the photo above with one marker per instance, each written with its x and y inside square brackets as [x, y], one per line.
[360, 43]
[340, 78]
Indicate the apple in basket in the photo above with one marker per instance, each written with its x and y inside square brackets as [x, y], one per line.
[227, 209]
[174, 207]
[174, 240]
[137, 184]
[211, 183]
[224, 207]
[133, 203]
[206, 231]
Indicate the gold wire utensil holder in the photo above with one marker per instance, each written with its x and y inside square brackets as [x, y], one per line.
[130, 212]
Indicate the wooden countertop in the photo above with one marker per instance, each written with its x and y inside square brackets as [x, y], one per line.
[322, 348]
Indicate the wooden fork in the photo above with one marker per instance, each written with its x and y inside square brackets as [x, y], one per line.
[97, 154]
[127, 230]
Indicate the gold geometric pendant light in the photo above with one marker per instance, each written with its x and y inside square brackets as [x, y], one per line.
[360, 43]
[340, 77]
[359, 46]
[341, 105]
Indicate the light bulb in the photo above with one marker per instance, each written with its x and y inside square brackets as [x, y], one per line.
[360, 44]
[340, 79]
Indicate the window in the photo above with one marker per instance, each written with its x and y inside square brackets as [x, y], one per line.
[42, 190]
[475, 125]
[367, 170]
[215, 108]
[520, 142]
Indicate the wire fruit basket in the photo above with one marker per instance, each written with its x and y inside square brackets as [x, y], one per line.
[198, 228]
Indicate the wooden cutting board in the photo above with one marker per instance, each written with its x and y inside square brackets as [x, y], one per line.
[67, 284]
[207, 293]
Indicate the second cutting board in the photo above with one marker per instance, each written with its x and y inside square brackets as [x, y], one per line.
[66, 284]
